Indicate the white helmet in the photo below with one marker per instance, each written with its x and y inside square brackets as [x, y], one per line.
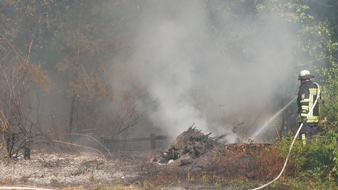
[305, 74]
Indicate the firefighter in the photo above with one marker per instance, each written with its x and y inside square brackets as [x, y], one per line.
[306, 101]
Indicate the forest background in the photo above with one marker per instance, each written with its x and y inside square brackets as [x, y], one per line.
[124, 68]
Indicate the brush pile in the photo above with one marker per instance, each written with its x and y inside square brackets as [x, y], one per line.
[189, 147]
[199, 154]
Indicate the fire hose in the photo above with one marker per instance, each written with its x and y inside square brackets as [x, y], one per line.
[293, 141]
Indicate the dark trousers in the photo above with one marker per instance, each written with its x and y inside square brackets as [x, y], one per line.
[308, 131]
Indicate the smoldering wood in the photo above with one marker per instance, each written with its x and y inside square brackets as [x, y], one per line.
[198, 153]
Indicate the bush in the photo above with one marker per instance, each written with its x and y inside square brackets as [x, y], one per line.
[316, 161]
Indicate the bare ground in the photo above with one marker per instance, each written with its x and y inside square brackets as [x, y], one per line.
[70, 170]
[194, 159]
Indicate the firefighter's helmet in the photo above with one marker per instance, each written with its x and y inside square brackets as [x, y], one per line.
[304, 75]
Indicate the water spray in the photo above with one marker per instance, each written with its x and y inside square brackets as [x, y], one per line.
[293, 141]
[271, 119]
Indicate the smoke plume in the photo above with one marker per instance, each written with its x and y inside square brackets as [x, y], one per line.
[212, 64]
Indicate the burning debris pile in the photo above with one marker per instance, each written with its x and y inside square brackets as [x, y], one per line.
[189, 145]
[200, 154]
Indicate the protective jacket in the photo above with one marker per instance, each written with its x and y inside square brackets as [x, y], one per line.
[307, 95]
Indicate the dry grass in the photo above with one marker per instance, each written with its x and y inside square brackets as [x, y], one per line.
[243, 162]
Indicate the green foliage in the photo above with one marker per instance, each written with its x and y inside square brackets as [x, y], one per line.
[320, 50]
[329, 107]
[330, 140]
[316, 161]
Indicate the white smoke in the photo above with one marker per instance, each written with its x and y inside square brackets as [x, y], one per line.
[165, 56]
[203, 64]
